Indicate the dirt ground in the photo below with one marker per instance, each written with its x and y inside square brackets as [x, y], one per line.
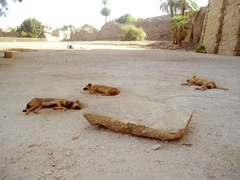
[63, 145]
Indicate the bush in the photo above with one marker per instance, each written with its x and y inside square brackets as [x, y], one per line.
[200, 49]
[30, 28]
[132, 33]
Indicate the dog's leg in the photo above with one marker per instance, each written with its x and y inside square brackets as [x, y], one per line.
[36, 110]
[187, 83]
[31, 108]
[59, 106]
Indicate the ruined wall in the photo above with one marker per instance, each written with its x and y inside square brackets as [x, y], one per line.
[221, 28]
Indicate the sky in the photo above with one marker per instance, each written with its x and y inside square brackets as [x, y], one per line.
[56, 13]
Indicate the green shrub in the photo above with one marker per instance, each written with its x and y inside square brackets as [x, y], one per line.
[200, 49]
[132, 33]
[30, 28]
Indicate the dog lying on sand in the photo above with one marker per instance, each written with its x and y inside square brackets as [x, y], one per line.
[205, 84]
[57, 104]
[105, 90]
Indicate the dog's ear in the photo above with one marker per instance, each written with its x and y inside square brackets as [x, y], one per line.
[89, 84]
[78, 102]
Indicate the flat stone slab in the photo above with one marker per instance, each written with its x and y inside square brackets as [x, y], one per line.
[141, 118]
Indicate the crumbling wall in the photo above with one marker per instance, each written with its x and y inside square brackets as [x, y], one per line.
[221, 28]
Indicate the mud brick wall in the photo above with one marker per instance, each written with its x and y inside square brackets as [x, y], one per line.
[221, 31]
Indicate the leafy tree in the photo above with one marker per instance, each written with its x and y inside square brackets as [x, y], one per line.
[65, 27]
[30, 28]
[186, 6]
[169, 6]
[4, 7]
[126, 18]
[105, 11]
[12, 29]
[179, 28]
[132, 33]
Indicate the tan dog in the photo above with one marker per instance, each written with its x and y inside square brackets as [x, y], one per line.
[108, 91]
[205, 84]
[38, 103]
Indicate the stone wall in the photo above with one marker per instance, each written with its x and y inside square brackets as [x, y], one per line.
[221, 31]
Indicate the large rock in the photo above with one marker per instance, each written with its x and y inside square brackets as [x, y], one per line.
[140, 118]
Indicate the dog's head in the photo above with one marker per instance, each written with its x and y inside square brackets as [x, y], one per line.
[88, 87]
[191, 79]
[73, 105]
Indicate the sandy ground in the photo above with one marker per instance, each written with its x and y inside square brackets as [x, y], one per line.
[63, 145]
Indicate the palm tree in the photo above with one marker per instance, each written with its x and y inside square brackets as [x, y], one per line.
[169, 6]
[186, 5]
[105, 11]
[179, 28]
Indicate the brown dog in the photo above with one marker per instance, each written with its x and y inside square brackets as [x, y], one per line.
[108, 91]
[205, 84]
[38, 103]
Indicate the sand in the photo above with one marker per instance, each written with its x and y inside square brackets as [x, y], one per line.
[63, 145]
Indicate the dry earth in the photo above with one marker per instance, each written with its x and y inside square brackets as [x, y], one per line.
[63, 145]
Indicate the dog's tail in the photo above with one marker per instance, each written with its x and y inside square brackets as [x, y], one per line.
[218, 87]
[27, 107]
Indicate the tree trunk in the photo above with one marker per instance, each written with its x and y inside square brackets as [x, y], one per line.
[106, 19]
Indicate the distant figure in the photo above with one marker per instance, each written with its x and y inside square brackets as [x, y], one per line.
[70, 47]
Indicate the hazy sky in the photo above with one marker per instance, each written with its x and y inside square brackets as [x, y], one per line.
[56, 13]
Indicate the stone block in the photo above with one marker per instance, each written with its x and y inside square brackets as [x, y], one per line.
[10, 54]
[140, 118]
